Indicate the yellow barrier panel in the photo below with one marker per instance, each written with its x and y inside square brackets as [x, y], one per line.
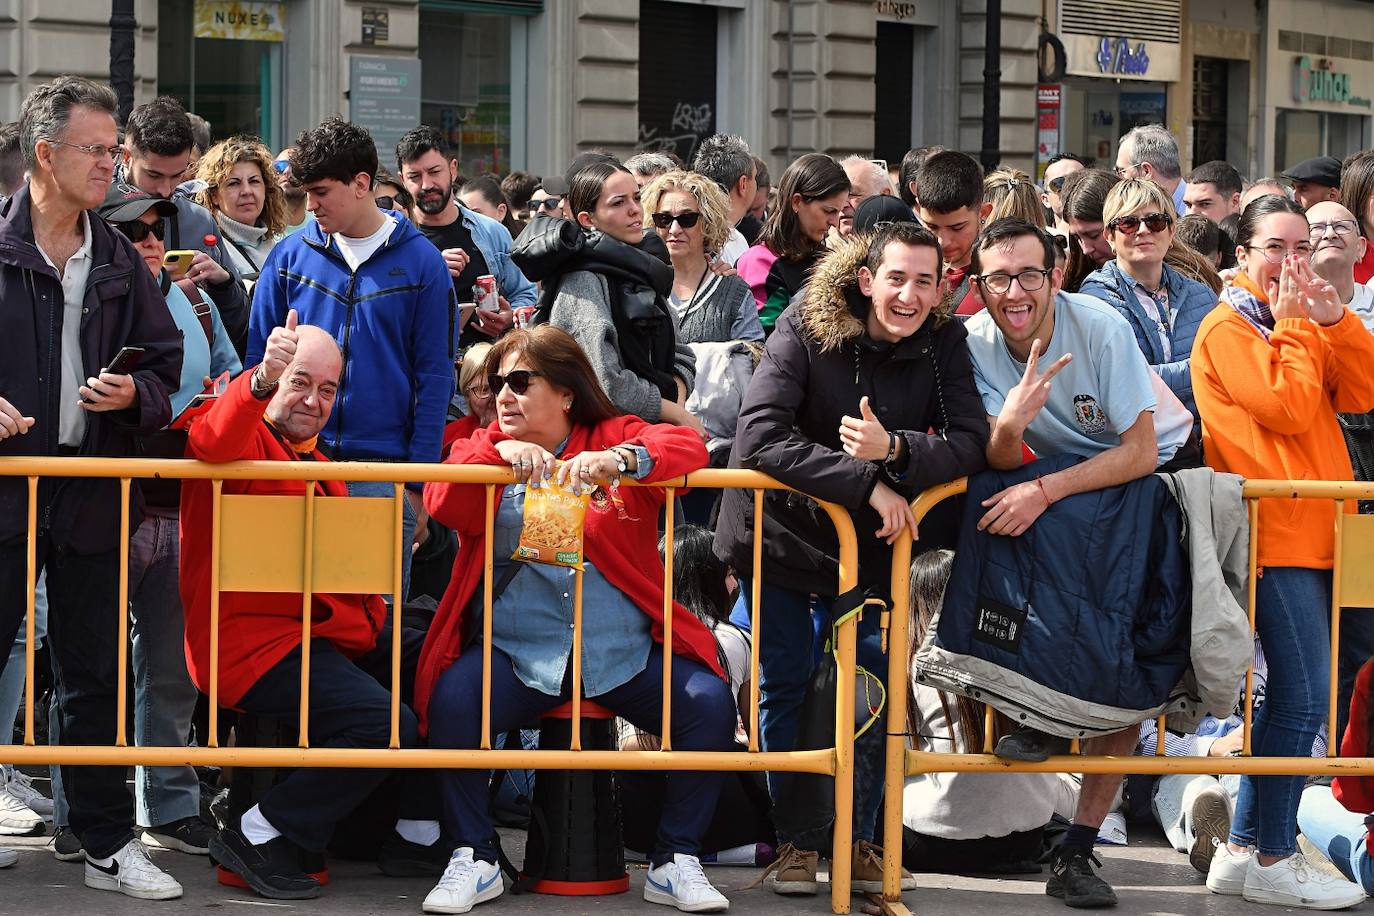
[328, 544]
[1352, 586]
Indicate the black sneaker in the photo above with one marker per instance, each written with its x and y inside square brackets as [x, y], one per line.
[401, 858]
[66, 846]
[1073, 881]
[189, 835]
[1029, 745]
[272, 869]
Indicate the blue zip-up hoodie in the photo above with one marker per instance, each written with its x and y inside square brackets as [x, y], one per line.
[395, 323]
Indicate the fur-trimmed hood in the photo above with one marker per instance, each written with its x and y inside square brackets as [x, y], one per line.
[834, 311]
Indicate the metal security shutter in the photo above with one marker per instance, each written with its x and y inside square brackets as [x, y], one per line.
[893, 87]
[677, 76]
[1158, 20]
[510, 7]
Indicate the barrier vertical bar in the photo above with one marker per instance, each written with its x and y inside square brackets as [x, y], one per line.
[307, 588]
[841, 853]
[488, 570]
[1254, 586]
[397, 607]
[898, 702]
[31, 577]
[576, 744]
[755, 591]
[216, 493]
[121, 704]
[1159, 736]
[669, 522]
[1332, 735]
[989, 729]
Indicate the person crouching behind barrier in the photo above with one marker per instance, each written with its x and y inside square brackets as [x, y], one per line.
[550, 408]
[275, 413]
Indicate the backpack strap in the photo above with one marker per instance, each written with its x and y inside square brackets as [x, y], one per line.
[200, 308]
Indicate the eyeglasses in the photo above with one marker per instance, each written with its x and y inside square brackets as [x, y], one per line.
[548, 203]
[1344, 228]
[1121, 170]
[478, 394]
[518, 380]
[1000, 283]
[281, 165]
[137, 230]
[686, 219]
[386, 202]
[1275, 253]
[1130, 225]
[99, 150]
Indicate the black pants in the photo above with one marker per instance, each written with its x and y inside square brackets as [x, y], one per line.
[349, 707]
[741, 815]
[83, 635]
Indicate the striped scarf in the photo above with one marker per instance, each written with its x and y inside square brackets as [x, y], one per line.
[1243, 296]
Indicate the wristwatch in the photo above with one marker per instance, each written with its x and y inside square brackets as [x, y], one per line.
[261, 391]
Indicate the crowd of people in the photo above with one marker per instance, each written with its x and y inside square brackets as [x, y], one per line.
[1105, 353]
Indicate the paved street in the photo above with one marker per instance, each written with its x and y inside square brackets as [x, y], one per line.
[1150, 879]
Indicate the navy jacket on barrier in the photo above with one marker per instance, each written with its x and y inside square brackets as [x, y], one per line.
[1080, 626]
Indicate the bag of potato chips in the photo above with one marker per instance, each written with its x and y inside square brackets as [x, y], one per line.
[552, 531]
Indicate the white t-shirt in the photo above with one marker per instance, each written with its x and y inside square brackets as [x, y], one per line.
[1096, 397]
[734, 246]
[1363, 304]
[357, 251]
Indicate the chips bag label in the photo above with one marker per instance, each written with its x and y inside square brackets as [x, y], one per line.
[553, 528]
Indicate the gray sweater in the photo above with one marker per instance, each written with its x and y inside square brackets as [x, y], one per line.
[582, 308]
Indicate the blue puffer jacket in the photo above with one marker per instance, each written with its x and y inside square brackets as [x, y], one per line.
[395, 322]
[1080, 626]
[1189, 300]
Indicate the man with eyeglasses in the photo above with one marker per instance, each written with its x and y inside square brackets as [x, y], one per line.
[1337, 247]
[156, 158]
[1058, 169]
[1151, 152]
[76, 292]
[1062, 374]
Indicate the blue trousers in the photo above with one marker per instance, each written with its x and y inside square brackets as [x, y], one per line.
[1292, 614]
[703, 720]
[1338, 833]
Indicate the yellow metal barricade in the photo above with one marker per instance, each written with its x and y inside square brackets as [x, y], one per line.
[1352, 586]
[353, 545]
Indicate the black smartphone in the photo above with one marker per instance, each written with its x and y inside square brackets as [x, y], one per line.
[125, 361]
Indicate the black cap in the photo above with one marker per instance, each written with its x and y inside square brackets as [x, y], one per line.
[884, 208]
[125, 203]
[558, 185]
[1323, 170]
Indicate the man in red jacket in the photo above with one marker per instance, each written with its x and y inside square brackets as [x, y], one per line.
[275, 414]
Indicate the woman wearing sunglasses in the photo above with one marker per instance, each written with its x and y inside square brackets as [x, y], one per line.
[1271, 367]
[555, 423]
[245, 196]
[1159, 285]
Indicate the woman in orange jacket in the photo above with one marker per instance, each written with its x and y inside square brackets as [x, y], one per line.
[1271, 366]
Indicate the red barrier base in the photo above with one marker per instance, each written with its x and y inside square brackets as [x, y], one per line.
[229, 879]
[583, 888]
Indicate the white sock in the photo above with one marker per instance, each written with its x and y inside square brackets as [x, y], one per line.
[256, 829]
[422, 833]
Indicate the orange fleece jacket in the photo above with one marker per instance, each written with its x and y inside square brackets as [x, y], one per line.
[1269, 411]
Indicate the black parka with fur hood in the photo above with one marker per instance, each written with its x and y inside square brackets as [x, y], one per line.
[817, 364]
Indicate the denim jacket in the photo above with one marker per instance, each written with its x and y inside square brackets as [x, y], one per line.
[493, 240]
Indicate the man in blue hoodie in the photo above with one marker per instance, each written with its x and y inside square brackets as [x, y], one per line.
[370, 279]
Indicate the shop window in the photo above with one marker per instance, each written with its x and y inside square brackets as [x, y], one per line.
[677, 113]
[466, 81]
[1210, 92]
[1298, 135]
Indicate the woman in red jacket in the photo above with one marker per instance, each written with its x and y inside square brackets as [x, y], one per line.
[555, 422]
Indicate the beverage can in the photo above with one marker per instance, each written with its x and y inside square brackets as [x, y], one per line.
[524, 316]
[484, 293]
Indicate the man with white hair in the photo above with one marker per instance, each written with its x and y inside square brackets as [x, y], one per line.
[1151, 152]
[1261, 187]
[866, 179]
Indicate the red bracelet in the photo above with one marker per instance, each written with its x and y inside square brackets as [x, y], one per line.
[1043, 492]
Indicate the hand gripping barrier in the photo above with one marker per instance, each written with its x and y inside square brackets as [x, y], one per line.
[352, 545]
[1352, 586]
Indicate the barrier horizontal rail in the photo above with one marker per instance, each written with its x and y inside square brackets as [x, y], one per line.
[836, 761]
[902, 762]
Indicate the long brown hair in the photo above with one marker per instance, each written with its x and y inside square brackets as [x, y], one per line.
[814, 176]
[553, 352]
[1084, 193]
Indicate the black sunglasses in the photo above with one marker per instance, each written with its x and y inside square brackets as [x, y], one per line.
[386, 202]
[137, 230]
[518, 380]
[686, 219]
[1056, 184]
[548, 203]
[1155, 222]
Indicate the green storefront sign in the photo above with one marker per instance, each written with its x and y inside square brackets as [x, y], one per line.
[1320, 82]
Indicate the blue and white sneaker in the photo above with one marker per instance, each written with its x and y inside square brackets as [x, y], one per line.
[683, 884]
[465, 883]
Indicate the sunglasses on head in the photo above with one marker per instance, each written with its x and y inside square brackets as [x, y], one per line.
[137, 230]
[518, 380]
[686, 219]
[281, 165]
[1056, 184]
[548, 203]
[1155, 222]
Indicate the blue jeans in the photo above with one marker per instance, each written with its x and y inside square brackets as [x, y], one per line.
[1338, 833]
[12, 678]
[387, 489]
[786, 663]
[1292, 619]
[703, 720]
[164, 697]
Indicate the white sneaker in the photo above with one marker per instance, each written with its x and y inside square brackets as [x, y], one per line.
[8, 857]
[133, 874]
[17, 818]
[465, 883]
[1226, 874]
[683, 884]
[20, 785]
[1294, 882]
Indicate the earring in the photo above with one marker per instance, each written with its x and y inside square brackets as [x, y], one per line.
[567, 406]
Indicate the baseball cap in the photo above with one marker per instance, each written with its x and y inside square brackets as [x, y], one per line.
[1323, 170]
[125, 203]
[883, 208]
[558, 185]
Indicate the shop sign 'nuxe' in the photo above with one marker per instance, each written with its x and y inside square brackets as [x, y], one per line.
[1322, 82]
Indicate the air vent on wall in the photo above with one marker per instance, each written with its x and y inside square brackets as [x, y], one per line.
[1155, 21]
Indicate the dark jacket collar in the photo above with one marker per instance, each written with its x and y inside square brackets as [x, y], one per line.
[17, 246]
